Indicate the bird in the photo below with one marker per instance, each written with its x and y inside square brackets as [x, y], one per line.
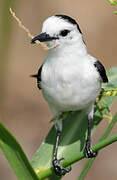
[69, 77]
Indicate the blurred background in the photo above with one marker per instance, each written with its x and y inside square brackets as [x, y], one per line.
[22, 108]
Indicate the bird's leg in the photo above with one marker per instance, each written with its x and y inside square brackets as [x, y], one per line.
[59, 170]
[88, 150]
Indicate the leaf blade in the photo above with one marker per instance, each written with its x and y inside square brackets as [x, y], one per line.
[15, 156]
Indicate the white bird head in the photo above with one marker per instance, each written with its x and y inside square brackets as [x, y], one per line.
[59, 30]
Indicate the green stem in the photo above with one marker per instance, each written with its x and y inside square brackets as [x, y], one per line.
[5, 37]
[90, 161]
[97, 147]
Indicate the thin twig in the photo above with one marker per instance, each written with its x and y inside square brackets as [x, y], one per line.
[28, 31]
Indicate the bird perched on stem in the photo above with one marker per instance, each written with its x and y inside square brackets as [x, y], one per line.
[69, 77]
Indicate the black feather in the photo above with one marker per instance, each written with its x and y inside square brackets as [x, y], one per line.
[70, 20]
[34, 75]
[38, 77]
[101, 70]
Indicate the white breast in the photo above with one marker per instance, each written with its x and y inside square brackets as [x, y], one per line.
[70, 84]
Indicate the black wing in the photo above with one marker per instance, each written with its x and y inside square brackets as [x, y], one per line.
[38, 76]
[101, 70]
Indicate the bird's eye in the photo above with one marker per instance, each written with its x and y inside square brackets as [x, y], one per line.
[64, 32]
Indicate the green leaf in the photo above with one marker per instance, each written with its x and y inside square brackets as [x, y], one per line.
[15, 156]
[73, 135]
[113, 2]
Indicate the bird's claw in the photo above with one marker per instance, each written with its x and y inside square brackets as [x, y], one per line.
[88, 151]
[59, 170]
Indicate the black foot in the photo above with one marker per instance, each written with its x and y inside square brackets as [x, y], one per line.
[59, 170]
[88, 151]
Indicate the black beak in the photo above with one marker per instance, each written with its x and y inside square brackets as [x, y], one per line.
[43, 37]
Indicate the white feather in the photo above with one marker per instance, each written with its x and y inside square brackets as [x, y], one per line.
[69, 79]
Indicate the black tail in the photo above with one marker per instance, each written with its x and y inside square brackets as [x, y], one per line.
[34, 75]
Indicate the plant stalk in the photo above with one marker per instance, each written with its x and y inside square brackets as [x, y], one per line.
[90, 161]
[100, 145]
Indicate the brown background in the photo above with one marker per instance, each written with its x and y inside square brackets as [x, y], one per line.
[25, 113]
